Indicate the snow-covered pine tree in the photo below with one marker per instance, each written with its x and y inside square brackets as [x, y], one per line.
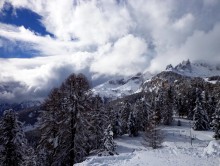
[189, 102]
[205, 103]
[74, 125]
[64, 125]
[143, 111]
[125, 111]
[30, 158]
[109, 145]
[50, 127]
[168, 105]
[13, 142]
[156, 109]
[216, 122]
[180, 107]
[200, 117]
[212, 105]
[153, 136]
[98, 120]
[132, 125]
[117, 124]
[83, 142]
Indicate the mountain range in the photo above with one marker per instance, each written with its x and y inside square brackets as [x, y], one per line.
[123, 86]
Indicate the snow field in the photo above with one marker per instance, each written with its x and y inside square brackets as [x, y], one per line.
[176, 151]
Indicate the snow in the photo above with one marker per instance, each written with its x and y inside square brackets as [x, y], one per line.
[121, 86]
[212, 82]
[27, 128]
[213, 149]
[196, 70]
[116, 90]
[176, 150]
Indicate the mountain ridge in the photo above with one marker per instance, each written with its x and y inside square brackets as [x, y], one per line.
[119, 88]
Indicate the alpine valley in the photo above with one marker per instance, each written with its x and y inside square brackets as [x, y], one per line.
[171, 117]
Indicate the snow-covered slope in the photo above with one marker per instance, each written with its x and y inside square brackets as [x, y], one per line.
[18, 106]
[176, 151]
[195, 69]
[121, 86]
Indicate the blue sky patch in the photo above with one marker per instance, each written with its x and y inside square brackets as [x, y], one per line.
[12, 49]
[22, 17]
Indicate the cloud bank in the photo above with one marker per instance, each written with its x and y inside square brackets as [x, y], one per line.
[107, 38]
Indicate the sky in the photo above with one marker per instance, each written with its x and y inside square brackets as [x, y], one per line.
[43, 41]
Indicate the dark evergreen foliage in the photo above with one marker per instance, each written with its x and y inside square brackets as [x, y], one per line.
[117, 124]
[125, 111]
[211, 107]
[108, 143]
[132, 125]
[167, 106]
[216, 122]
[98, 120]
[153, 136]
[13, 145]
[143, 110]
[200, 118]
[63, 125]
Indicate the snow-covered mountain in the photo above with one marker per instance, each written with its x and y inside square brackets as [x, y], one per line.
[19, 106]
[195, 69]
[121, 86]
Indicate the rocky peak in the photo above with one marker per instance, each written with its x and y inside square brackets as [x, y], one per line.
[169, 67]
[184, 66]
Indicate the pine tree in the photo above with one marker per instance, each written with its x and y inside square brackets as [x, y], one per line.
[153, 136]
[132, 125]
[125, 111]
[13, 142]
[205, 104]
[64, 125]
[99, 121]
[211, 107]
[117, 125]
[156, 110]
[50, 126]
[76, 103]
[143, 111]
[108, 143]
[216, 122]
[167, 112]
[180, 108]
[200, 117]
[189, 102]
[30, 158]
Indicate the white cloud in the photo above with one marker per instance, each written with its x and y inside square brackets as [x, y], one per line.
[185, 22]
[1, 4]
[210, 2]
[203, 46]
[92, 22]
[46, 45]
[127, 56]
